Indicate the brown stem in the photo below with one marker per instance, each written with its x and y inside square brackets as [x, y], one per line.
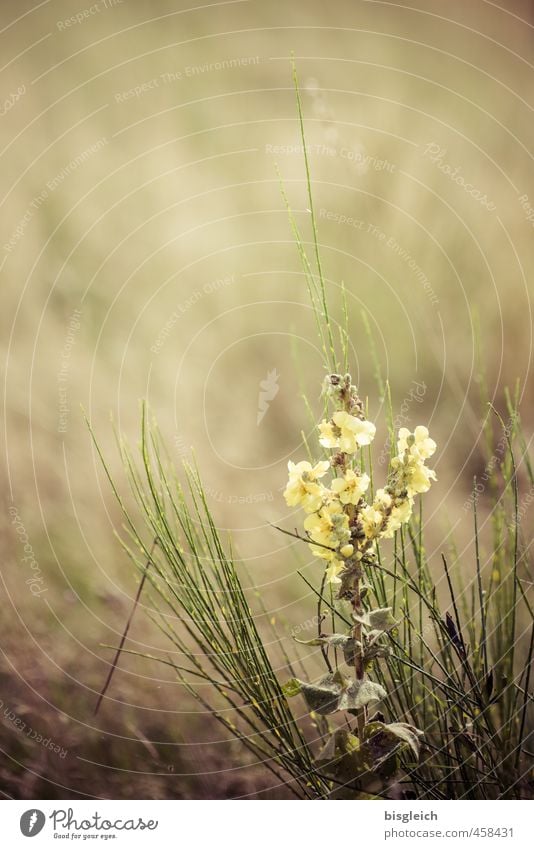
[349, 402]
[357, 634]
[126, 629]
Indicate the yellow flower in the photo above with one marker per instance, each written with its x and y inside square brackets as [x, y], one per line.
[372, 522]
[347, 550]
[323, 553]
[386, 515]
[346, 432]
[417, 477]
[302, 487]
[383, 500]
[350, 488]
[419, 442]
[399, 515]
[328, 527]
[328, 437]
[333, 570]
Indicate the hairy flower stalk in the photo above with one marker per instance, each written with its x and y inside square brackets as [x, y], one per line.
[343, 527]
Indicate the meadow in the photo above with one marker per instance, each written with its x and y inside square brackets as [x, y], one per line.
[147, 254]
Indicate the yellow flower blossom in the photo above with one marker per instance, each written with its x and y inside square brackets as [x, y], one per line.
[333, 570]
[350, 488]
[420, 444]
[383, 500]
[328, 437]
[328, 527]
[417, 477]
[386, 515]
[346, 432]
[302, 488]
[372, 521]
[400, 514]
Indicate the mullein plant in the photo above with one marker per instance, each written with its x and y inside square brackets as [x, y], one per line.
[343, 526]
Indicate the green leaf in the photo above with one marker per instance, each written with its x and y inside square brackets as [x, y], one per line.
[383, 748]
[291, 688]
[409, 734]
[348, 646]
[334, 692]
[340, 743]
[371, 652]
[361, 693]
[337, 640]
[323, 697]
[385, 740]
[347, 576]
[343, 758]
[379, 620]
[349, 651]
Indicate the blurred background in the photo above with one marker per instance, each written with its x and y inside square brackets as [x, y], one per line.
[146, 252]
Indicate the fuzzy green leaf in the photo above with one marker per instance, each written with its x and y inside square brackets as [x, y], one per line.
[334, 692]
[340, 743]
[323, 697]
[409, 734]
[379, 620]
[348, 646]
[334, 640]
[384, 740]
[361, 693]
[349, 651]
[374, 651]
[343, 642]
[343, 758]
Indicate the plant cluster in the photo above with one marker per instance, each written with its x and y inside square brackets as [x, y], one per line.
[343, 526]
[449, 670]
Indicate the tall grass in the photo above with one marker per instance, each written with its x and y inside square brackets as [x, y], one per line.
[459, 666]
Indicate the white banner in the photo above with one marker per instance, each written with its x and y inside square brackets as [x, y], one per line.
[256, 825]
